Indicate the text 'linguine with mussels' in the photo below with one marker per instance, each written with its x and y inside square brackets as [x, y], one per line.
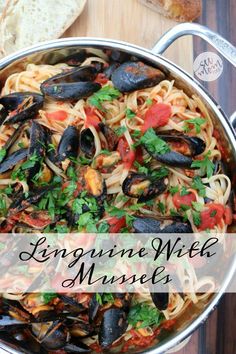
[107, 147]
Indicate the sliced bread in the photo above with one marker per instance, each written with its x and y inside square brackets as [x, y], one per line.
[27, 22]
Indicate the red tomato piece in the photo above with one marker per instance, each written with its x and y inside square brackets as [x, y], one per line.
[228, 216]
[101, 79]
[212, 216]
[57, 115]
[127, 155]
[40, 221]
[157, 116]
[91, 118]
[187, 199]
[116, 224]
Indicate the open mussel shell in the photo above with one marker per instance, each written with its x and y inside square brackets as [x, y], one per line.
[72, 84]
[11, 161]
[21, 202]
[110, 135]
[69, 144]
[87, 143]
[114, 324]
[52, 336]
[38, 139]
[131, 76]
[144, 225]
[143, 187]
[161, 300]
[183, 149]
[21, 106]
[94, 183]
[76, 346]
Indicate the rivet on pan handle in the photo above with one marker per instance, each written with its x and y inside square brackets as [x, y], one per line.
[222, 45]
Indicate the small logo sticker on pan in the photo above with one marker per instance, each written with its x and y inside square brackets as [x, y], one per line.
[208, 66]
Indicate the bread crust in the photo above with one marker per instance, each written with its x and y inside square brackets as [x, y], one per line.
[178, 10]
[5, 33]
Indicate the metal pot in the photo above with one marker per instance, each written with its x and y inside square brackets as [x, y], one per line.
[54, 51]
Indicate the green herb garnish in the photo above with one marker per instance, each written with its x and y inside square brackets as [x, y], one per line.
[197, 122]
[106, 93]
[143, 315]
[153, 143]
[206, 165]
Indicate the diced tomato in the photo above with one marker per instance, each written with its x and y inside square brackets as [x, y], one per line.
[40, 221]
[116, 224]
[57, 115]
[212, 216]
[127, 155]
[137, 340]
[7, 227]
[96, 347]
[187, 199]
[91, 118]
[228, 215]
[101, 79]
[156, 116]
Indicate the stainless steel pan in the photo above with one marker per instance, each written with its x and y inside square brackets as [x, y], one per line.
[54, 51]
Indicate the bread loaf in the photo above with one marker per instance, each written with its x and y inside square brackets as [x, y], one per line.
[178, 10]
[27, 22]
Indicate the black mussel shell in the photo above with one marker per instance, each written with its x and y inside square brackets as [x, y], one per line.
[131, 76]
[143, 187]
[69, 144]
[114, 324]
[153, 225]
[21, 106]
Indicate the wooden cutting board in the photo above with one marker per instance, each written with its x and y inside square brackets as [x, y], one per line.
[130, 21]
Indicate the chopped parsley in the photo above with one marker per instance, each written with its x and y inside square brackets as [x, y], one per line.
[47, 297]
[143, 315]
[3, 153]
[173, 190]
[149, 102]
[196, 122]
[129, 113]
[161, 207]
[184, 191]
[197, 206]
[103, 227]
[105, 152]
[153, 143]
[120, 131]
[213, 213]
[136, 133]
[206, 165]
[199, 186]
[196, 218]
[106, 93]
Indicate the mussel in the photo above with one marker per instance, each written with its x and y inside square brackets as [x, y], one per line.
[12, 160]
[131, 76]
[87, 143]
[110, 135]
[52, 336]
[21, 202]
[161, 300]
[37, 147]
[182, 149]
[71, 84]
[143, 187]
[106, 160]
[114, 324]
[143, 224]
[94, 183]
[21, 106]
[69, 144]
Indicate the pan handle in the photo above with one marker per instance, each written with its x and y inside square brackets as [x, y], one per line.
[222, 45]
[232, 119]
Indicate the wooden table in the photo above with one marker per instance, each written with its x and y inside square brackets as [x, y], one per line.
[130, 21]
